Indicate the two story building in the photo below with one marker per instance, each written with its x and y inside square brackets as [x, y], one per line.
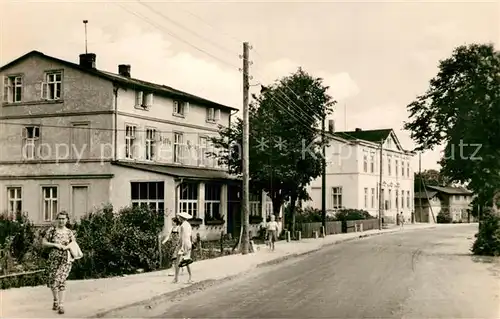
[353, 174]
[454, 201]
[74, 137]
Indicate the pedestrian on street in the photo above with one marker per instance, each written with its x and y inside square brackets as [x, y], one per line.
[59, 262]
[272, 232]
[401, 220]
[184, 246]
[173, 238]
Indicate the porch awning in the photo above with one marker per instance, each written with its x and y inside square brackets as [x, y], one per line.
[181, 172]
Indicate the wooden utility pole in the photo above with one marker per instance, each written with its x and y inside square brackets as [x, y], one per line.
[245, 223]
[420, 208]
[323, 175]
[380, 195]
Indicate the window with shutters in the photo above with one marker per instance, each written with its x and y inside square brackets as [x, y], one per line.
[213, 115]
[143, 100]
[150, 144]
[52, 87]
[180, 108]
[130, 135]
[13, 89]
[31, 141]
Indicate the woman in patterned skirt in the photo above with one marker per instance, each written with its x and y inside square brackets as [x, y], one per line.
[58, 263]
[174, 238]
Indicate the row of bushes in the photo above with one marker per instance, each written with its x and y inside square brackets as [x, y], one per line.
[313, 215]
[114, 243]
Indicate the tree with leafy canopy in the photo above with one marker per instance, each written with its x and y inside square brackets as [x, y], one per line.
[430, 177]
[461, 109]
[284, 151]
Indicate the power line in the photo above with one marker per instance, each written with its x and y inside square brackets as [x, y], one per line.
[301, 114]
[286, 86]
[173, 35]
[188, 30]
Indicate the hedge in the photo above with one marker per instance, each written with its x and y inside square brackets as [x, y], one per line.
[113, 243]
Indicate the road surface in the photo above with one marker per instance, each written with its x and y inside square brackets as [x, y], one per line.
[417, 274]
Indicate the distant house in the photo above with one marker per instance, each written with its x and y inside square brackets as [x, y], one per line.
[453, 200]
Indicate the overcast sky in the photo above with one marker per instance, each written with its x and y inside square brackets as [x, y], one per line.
[375, 56]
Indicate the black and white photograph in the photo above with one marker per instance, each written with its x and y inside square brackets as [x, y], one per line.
[249, 159]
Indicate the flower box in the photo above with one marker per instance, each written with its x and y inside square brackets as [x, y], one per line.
[256, 219]
[196, 221]
[213, 222]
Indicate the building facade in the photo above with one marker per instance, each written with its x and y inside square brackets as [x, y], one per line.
[74, 138]
[353, 174]
[454, 201]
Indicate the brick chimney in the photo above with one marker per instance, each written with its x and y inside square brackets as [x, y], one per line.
[124, 70]
[87, 60]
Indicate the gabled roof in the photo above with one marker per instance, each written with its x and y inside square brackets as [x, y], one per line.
[450, 190]
[424, 195]
[374, 136]
[125, 81]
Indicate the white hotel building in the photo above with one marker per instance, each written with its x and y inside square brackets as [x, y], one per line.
[353, 174]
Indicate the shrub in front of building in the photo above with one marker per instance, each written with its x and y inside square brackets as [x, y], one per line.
[487, 241]
[118, 243]
[443, 218]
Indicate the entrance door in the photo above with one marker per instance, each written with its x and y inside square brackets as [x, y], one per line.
[80, 200]
[234, 211]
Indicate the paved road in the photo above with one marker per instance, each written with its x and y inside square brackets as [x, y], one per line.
[418, 274]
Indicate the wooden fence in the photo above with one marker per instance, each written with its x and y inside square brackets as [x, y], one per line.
[307, 229]
[336, 227]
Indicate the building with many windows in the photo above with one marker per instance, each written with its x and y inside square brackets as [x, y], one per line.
[353, 174]
[74, 137]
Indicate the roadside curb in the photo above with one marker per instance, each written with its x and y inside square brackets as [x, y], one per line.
[184, 291]
[176, 293]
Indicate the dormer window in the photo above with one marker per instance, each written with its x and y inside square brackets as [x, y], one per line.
[213, 115]
[180, 108]
[143, 100]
